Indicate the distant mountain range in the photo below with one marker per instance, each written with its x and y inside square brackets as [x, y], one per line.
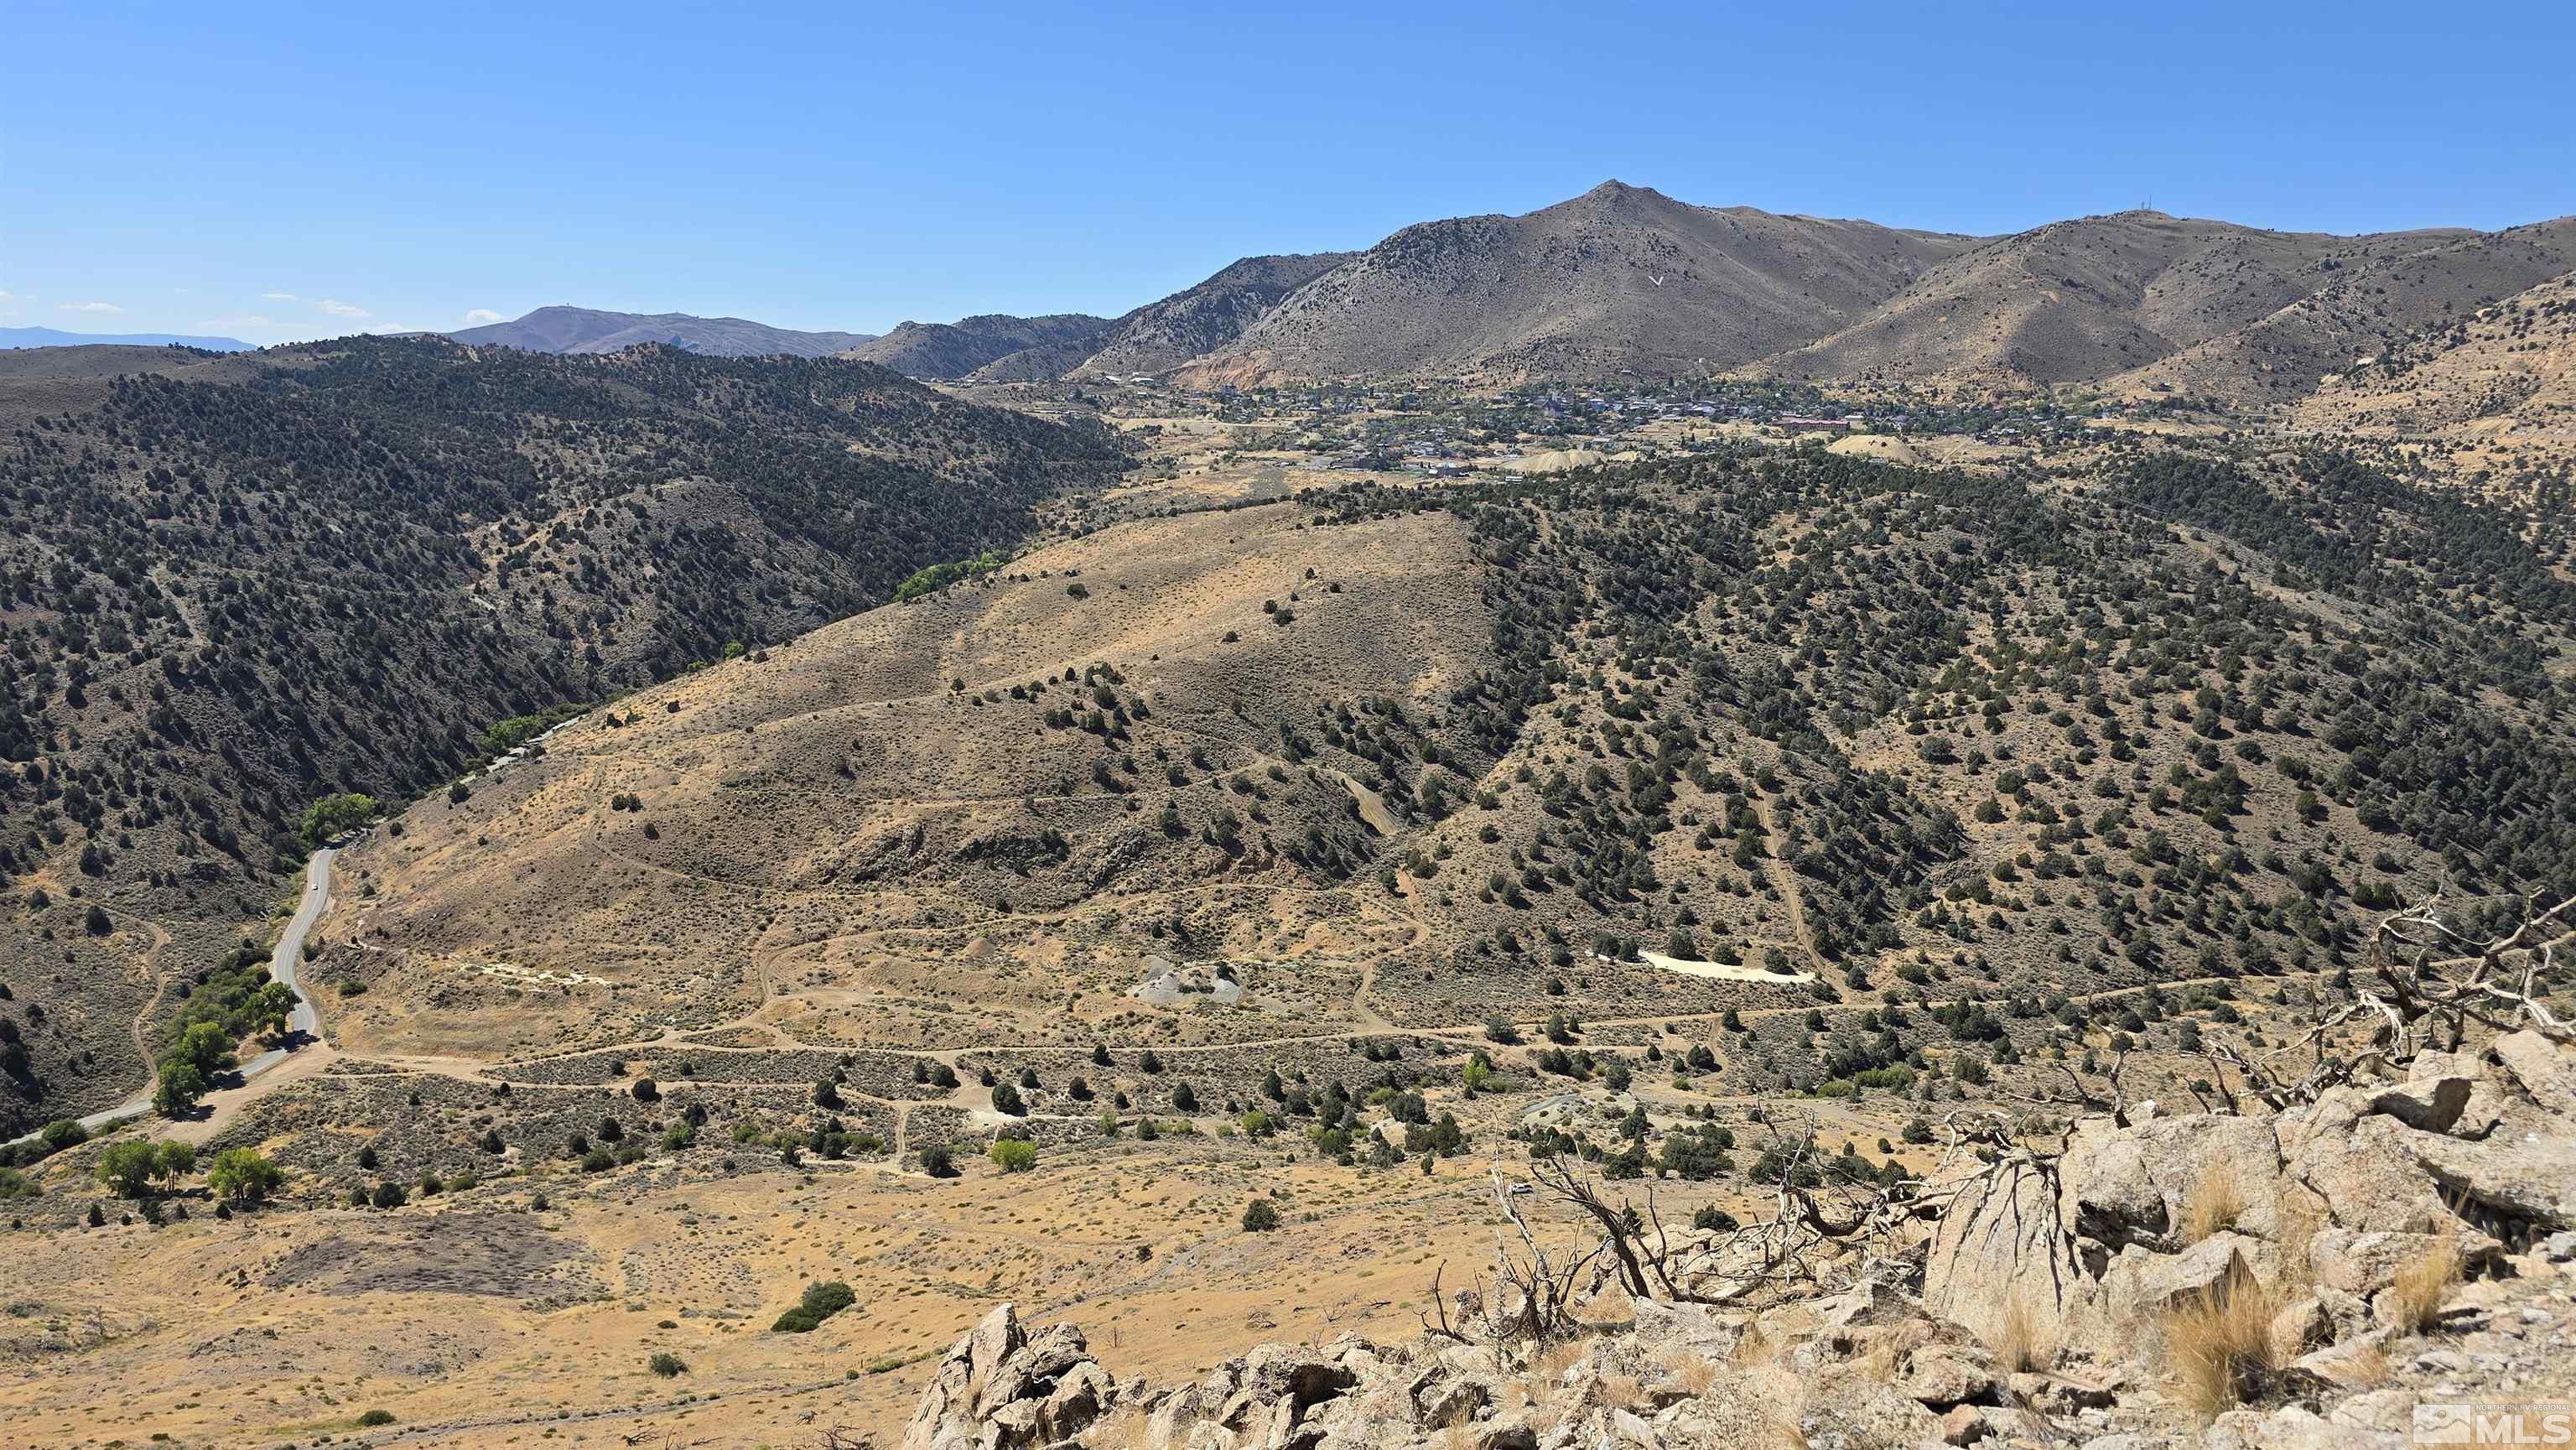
[581, 330]
[1624, 279]
[20, 337]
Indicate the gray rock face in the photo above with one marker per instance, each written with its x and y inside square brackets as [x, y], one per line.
[2129, 1185]
[2527, 1175]
[2014, 1233]
[1000, 1389]
[2146, 1286]
[2545, 1072]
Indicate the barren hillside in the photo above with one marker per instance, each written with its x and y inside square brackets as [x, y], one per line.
[1620, 277]
[2506, 370]
[2368, 304]
[232, 586]
[994, 799]
[1185, 325]
[2072, 300]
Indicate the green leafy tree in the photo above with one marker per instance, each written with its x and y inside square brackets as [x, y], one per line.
[130, 1169]
[179, 1087]
[334, 814]
[243, 1174]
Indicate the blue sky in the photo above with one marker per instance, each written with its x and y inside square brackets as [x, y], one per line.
[277, 171]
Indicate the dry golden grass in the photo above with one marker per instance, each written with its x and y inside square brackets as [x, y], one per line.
[1695, 1373]
[2017, 1343]
[2214, 1203]
[2299, 1216]
[2218, 1345]
[2416, 1295]
[1755, 1347]
[1124, 1428]
[2362, 1368]
[1551, 1362]
[1621, 1391]
[1784, 1398]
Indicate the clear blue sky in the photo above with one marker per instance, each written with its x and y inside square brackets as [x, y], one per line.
[277, 171]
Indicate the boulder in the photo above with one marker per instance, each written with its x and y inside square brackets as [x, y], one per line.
[998, 1389]
[2362, 1165]
[2426, 1104]
[2520, 1172]
[2543, 1069]
[2292, 1428]
[1512, 1430]
[2059, 1394]
[2128, 1185]
[1849, 1411]
[2144, 1286]
[2352, 1354]
[1694, 1327]
[2362, 1264]
[1942, 1375]
[2301, 1326]
[2005, 1229]
[1994, 1424]
[2391, 1409]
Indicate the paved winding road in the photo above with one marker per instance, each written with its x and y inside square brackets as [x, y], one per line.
[302, 1026]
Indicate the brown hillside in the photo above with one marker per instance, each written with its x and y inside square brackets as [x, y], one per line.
[1620, 277]
[951, 350]
[1165, 334]
[2373, 299]
[853, 840]
[2508, 370]
[2072, 300]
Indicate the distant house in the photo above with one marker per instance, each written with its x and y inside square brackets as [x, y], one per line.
[1790, 422]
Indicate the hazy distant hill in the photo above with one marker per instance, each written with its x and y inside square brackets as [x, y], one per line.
[1620, 277]
[581, 329]
[18, 337]
[948, 350]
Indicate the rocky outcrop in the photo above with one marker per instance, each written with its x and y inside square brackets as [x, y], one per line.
[2029, 1317]
[2079, 1252]
[1673, 1378]
[1002, 1389]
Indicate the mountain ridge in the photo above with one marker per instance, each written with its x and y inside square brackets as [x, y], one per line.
[17, 338]
[563, 328]
[1624, 279]
[1621, 277]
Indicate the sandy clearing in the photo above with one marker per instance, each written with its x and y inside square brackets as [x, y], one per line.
[1719, 971]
